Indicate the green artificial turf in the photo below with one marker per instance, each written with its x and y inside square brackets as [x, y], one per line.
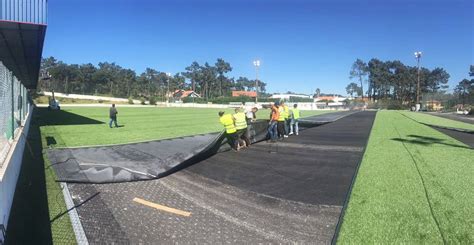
[88, 126]
[437, 121]
[39, 214]
[61, 227]
[414, 186]
[81, 126]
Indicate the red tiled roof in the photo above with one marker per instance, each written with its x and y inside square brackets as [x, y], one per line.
[182, 93]
[325, 98]
[252, 94]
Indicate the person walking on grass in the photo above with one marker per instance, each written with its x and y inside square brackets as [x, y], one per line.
[113, 116]
[295, 116]
[230, 131]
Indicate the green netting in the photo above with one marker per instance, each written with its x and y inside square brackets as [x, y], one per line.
[13, 109]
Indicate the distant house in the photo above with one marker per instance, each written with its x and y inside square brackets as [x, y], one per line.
[434, 105]
[325, 99]
[360, 99]
[251, 94]
[287, 96]
[180, 93]
[331, 101]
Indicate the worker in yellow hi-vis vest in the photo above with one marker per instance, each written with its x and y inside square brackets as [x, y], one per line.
[241, 126]
[230, 131]
[281, 122]
[286, 113]
[295, 116]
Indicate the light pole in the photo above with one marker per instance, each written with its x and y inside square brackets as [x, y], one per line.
[418, 57]
[256, 63]
[168, 75]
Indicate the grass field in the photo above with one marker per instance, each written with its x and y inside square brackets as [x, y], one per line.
[85, 126]
[81, 126]
[39, 214]
[437, 121]
[414, 186]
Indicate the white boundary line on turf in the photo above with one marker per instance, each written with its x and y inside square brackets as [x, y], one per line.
[74, 216]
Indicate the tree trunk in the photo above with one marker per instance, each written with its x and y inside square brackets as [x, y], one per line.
[220, 87]
[67, 85]
[128, 89]
[361, 87]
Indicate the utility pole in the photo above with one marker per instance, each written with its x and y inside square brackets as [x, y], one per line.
[168, 75]
[256, 63]
[418, 57]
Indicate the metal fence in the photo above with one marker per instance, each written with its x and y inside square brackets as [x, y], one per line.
[14, 108]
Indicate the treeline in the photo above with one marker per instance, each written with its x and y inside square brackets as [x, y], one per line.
[244, 99]
[210, 81]
[394, 80]
[464, 90]
[396, 84]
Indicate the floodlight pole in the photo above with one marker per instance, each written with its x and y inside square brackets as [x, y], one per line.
[168, 75]
[256, 63]
[418, 57]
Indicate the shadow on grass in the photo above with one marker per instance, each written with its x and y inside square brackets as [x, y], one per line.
[61, 117]
[29, 221]
[50, 141]
[427, 141]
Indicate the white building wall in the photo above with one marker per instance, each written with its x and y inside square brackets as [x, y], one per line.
[287, 96]
[10, 171]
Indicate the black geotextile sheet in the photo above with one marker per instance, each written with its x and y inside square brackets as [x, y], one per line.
[153, 159]
[140, 161]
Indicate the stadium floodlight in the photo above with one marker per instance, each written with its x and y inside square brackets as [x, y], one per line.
[418, 57]
[256, 63]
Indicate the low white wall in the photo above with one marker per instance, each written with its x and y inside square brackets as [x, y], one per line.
[158, 105]
[87, 97]
[301, 105]
[195, 105]
[10, 171]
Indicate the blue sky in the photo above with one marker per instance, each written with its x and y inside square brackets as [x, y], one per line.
[303, 45]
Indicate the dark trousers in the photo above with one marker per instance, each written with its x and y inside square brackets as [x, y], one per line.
[272, 130]
[243, 136]
[287, 126]
[281, 128]
[233, 140]
[113, 120]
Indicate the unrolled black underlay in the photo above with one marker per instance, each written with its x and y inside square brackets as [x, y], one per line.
[153, 159]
